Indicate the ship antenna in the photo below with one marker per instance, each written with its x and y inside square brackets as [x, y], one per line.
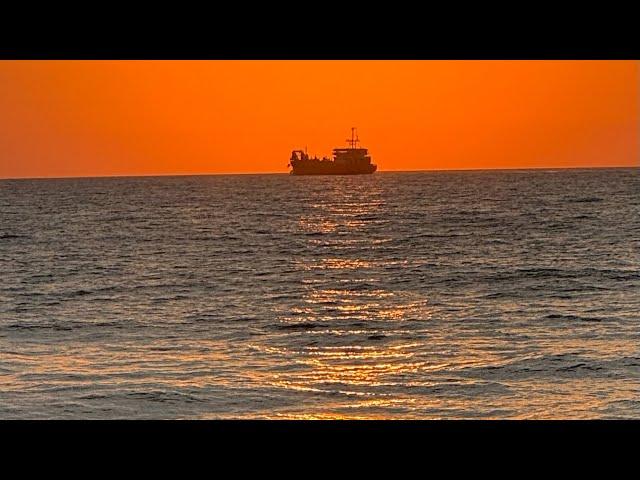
[354, 138]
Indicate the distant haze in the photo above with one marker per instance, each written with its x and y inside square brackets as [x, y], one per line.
[93, 118]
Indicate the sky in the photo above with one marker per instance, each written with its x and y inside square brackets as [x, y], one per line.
[102, 118]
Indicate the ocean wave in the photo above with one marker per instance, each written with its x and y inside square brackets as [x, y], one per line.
[560, 316]
[11, 236]
[587, 200]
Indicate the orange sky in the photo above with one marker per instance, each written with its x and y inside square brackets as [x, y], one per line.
[86, 118]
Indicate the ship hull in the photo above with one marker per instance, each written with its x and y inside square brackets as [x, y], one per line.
[330, 168]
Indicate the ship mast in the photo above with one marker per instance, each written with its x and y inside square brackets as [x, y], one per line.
[354, 138]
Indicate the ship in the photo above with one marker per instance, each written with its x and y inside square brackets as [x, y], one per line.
[345, 161]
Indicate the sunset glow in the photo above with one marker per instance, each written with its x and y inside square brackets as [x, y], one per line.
[94, 118]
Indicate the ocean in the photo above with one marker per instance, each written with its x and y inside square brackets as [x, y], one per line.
[420, 295]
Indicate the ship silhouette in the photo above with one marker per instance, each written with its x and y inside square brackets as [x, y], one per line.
[346, 161]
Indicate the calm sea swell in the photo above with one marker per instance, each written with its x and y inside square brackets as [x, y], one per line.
[509, 294]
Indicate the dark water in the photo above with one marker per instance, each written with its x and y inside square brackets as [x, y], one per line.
[511, 294]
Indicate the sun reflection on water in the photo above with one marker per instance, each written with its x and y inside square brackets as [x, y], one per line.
[348, 337]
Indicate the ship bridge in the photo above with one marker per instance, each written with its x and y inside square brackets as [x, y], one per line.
[352, 154]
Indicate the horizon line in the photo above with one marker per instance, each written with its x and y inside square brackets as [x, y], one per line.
[210, 174]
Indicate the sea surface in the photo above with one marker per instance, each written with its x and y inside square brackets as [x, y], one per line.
[477, 294]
